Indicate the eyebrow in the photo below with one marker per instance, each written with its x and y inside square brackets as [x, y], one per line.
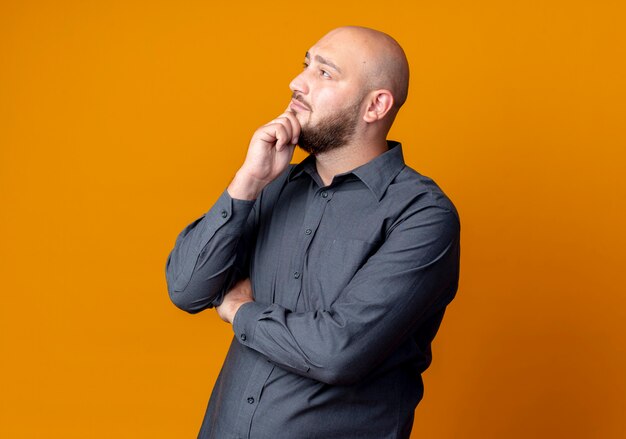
[324, 61]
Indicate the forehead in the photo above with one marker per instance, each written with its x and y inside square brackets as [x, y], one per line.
[345, 51]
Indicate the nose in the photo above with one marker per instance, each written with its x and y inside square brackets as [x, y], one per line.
[298, 84]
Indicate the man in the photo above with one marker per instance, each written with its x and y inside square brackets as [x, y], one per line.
[335, 273]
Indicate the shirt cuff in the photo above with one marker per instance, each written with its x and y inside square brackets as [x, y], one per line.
[245, 321]
[230, 212]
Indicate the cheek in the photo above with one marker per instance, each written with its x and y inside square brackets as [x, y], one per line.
[325, 99]
[328, 100]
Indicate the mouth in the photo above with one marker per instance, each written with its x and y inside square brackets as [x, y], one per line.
[298, 105]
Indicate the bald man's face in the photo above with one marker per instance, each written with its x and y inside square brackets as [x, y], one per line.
[328, 94]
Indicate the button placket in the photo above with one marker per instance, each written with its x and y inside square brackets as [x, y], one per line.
[311, 221]
[250, 398]
[326, 195]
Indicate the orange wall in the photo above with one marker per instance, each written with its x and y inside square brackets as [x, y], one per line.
[122, 121]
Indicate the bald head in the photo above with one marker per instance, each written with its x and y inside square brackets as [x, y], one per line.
[383, 62]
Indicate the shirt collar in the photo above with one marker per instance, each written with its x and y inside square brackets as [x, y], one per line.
[377, 174]
[308, 165]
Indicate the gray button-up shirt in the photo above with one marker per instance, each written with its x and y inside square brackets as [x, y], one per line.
[350, 281]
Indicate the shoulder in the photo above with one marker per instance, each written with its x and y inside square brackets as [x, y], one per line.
[425, 221]
[416, 192]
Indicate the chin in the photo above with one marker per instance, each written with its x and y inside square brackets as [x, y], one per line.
[303, 119]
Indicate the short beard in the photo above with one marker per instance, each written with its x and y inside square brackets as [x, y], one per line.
[332, 132]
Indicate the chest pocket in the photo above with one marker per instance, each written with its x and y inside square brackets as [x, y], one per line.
[331, 264]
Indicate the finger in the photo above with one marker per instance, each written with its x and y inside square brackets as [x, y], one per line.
[282, 136]
[274, 135]
[295, 126]
[291, 123]
[286, 123]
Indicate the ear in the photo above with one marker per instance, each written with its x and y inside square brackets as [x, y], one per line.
[380, 102]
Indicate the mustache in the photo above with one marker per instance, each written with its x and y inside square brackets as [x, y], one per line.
[299, 98]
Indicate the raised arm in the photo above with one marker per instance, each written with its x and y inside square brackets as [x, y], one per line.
[211, 253]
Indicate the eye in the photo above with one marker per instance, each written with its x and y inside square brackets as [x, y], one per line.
[324, 73]
[305, 65]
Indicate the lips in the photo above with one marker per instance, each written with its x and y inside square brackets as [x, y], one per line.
[295, 102]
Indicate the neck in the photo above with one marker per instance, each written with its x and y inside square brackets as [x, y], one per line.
[347, 158]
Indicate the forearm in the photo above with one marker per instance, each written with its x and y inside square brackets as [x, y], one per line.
[204, 259]
[200, 268]
[402, 286]
[245, 186]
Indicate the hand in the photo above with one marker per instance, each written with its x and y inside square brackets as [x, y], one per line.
[239, 294]
[269, 153]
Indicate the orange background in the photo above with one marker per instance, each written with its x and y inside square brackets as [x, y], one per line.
[122, 121]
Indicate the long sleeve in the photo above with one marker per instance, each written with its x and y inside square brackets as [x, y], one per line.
[412, 276]
[209, 254]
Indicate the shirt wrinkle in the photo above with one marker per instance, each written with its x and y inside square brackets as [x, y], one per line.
[350, 286]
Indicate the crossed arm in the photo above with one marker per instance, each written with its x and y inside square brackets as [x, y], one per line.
[406, 282]
[239, 294]
[410, 279]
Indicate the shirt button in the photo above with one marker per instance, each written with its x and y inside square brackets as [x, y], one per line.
[250, 400]
[224, 214]
[324, 194]
[296, 275]
[308, 231]
[243, 337]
